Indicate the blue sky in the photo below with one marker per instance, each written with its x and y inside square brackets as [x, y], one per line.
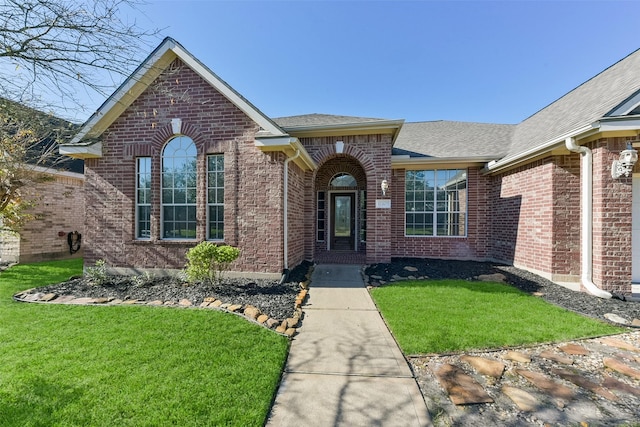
[482, 61]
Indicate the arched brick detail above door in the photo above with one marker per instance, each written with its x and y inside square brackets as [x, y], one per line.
[340, 164]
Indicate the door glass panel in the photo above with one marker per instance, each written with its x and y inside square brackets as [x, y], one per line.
[342, 216]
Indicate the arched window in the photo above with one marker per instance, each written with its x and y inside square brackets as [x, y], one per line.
[179, 179]
[343, 180]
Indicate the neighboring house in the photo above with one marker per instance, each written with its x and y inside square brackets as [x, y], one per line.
[176, 156]
[58, 211]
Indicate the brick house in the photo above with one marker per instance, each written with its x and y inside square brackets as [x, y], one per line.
[58, 211]
[176, 156]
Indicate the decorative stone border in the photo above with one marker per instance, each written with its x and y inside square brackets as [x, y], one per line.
[287, 327]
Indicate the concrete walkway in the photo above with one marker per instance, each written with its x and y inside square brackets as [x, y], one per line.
[344, 367]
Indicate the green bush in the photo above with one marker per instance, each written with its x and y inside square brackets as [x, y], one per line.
[98, 274]
[207, 261]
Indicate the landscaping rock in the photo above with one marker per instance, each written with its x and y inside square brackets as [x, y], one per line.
[619, 366]
[272, 323]
[616, 319]
[185, 303]
[290, 332]
[485, 366]
[618, 343]
[617, 385]
[550, 355]
[48, 297]
[155, 302]
[524, 400]
[517, 356]
[549, 386]
[462, 389]
[234, 307]
[251, 312]
[262, 318]
[583, 382]
[409, 268]
[574, 349]
[495, 277]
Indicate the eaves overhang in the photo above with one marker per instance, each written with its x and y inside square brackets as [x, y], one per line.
[391, 127]
[513, 160]
[289, 146]
[146, 73]
[86, 150]
[408, 162]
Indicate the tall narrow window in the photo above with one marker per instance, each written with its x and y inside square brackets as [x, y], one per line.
[436, 203]
[179, 189]
[215, 197]
[320, 217]
[143, 198]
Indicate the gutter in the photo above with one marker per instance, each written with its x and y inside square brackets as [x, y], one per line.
[586, 228]
[510, 161]
[285, 220]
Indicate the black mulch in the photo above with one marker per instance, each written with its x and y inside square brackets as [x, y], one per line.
[579, 302]
[273, 298]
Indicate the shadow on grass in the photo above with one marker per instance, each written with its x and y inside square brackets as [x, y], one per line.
[37, 402]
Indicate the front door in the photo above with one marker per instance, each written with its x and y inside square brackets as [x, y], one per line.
[343, 221]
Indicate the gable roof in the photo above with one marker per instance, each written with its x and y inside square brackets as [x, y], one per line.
[322, 120]
[577, 111]
[329, 124]
[447, 139]
[144, 76]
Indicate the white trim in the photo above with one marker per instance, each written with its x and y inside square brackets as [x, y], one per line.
[557, 142]
[146, 73]
[207, 204]
[82, 151]
[625, 107]
[137, 202]
[435, 210]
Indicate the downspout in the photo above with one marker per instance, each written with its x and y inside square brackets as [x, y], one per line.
[285, 220]
[586, 229]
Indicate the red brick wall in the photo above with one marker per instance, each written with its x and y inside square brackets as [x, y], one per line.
[611, 218]
[253, 180]
[536, 217]
[372, 154]
[59, 209]
[473, 246]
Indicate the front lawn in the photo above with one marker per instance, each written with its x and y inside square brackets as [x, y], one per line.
[129, 366]
[454, 315]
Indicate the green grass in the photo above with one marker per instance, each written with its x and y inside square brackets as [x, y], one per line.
[454, 315]
[64, 365]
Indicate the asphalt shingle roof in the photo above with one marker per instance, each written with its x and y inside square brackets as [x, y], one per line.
[582, 106]
[453, 139]
[311, 120]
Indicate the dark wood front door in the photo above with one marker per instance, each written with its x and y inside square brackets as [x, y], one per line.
[343, 221]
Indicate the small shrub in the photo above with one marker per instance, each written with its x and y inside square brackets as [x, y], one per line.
[97, 274]
[207, 261]
[141, 280]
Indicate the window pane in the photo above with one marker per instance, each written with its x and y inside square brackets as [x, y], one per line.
[446, 204]
[179, 182]
[143, 197]
[215, 196]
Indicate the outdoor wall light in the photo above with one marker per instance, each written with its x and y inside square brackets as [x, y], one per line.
[624, 165]
[384, 185]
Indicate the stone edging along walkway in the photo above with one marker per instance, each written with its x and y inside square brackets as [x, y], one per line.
[286, 327]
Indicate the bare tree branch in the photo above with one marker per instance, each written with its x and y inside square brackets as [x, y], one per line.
[49, 50]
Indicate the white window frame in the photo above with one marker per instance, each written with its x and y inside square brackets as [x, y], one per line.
[147, 202]
[434, 212]
[217, 202]
[164, 204]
